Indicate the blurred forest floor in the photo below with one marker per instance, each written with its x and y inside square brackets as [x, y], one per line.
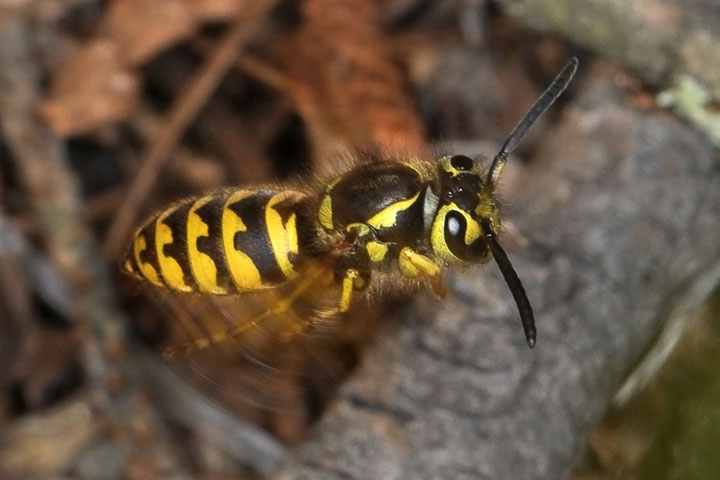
[112, 109]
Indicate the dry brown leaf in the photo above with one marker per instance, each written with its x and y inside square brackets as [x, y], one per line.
[93, 88]
[215, 10]
[97, 85]
[141, 29]
[345, 83]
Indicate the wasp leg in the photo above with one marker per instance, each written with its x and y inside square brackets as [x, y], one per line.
[278, 308]
[352, 280]
[413, 265]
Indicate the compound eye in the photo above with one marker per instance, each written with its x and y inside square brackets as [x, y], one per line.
[461, 162]
[455, 227]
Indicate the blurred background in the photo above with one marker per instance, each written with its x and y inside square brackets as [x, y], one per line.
[112, 109]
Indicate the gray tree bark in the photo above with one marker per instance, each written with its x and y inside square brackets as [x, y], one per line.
[672, 44]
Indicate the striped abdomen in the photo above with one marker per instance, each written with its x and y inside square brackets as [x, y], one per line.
[234, 241]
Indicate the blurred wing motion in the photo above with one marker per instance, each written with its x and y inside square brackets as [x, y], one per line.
[282, 350]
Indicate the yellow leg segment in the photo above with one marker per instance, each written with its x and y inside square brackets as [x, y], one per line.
[414, 265]
[348, 285]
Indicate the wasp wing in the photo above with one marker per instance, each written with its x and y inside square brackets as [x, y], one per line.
[280, 351]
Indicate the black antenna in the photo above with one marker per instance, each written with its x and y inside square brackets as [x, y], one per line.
[513, 282]
[541, 104]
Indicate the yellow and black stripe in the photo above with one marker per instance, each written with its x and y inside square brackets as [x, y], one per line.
[233, 241]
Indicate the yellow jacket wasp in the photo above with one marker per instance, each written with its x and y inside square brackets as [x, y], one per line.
[380, 223]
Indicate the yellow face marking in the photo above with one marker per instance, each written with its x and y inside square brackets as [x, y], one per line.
[388, 215]
[325, 214]
[437, 237]
[413, 264]
[170, 268]
[283, 237]
[202, 265]
[245, 274]
[437, 233]
[473, 231]
[146, 269]
[376, 251]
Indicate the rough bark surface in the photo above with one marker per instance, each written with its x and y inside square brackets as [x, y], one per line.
[622, 212]
[657, 38]
[672, 44]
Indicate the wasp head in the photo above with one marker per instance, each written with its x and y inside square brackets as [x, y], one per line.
[465, 213]
[464, 203]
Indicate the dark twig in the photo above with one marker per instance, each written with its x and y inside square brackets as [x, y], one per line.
[189, 102]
